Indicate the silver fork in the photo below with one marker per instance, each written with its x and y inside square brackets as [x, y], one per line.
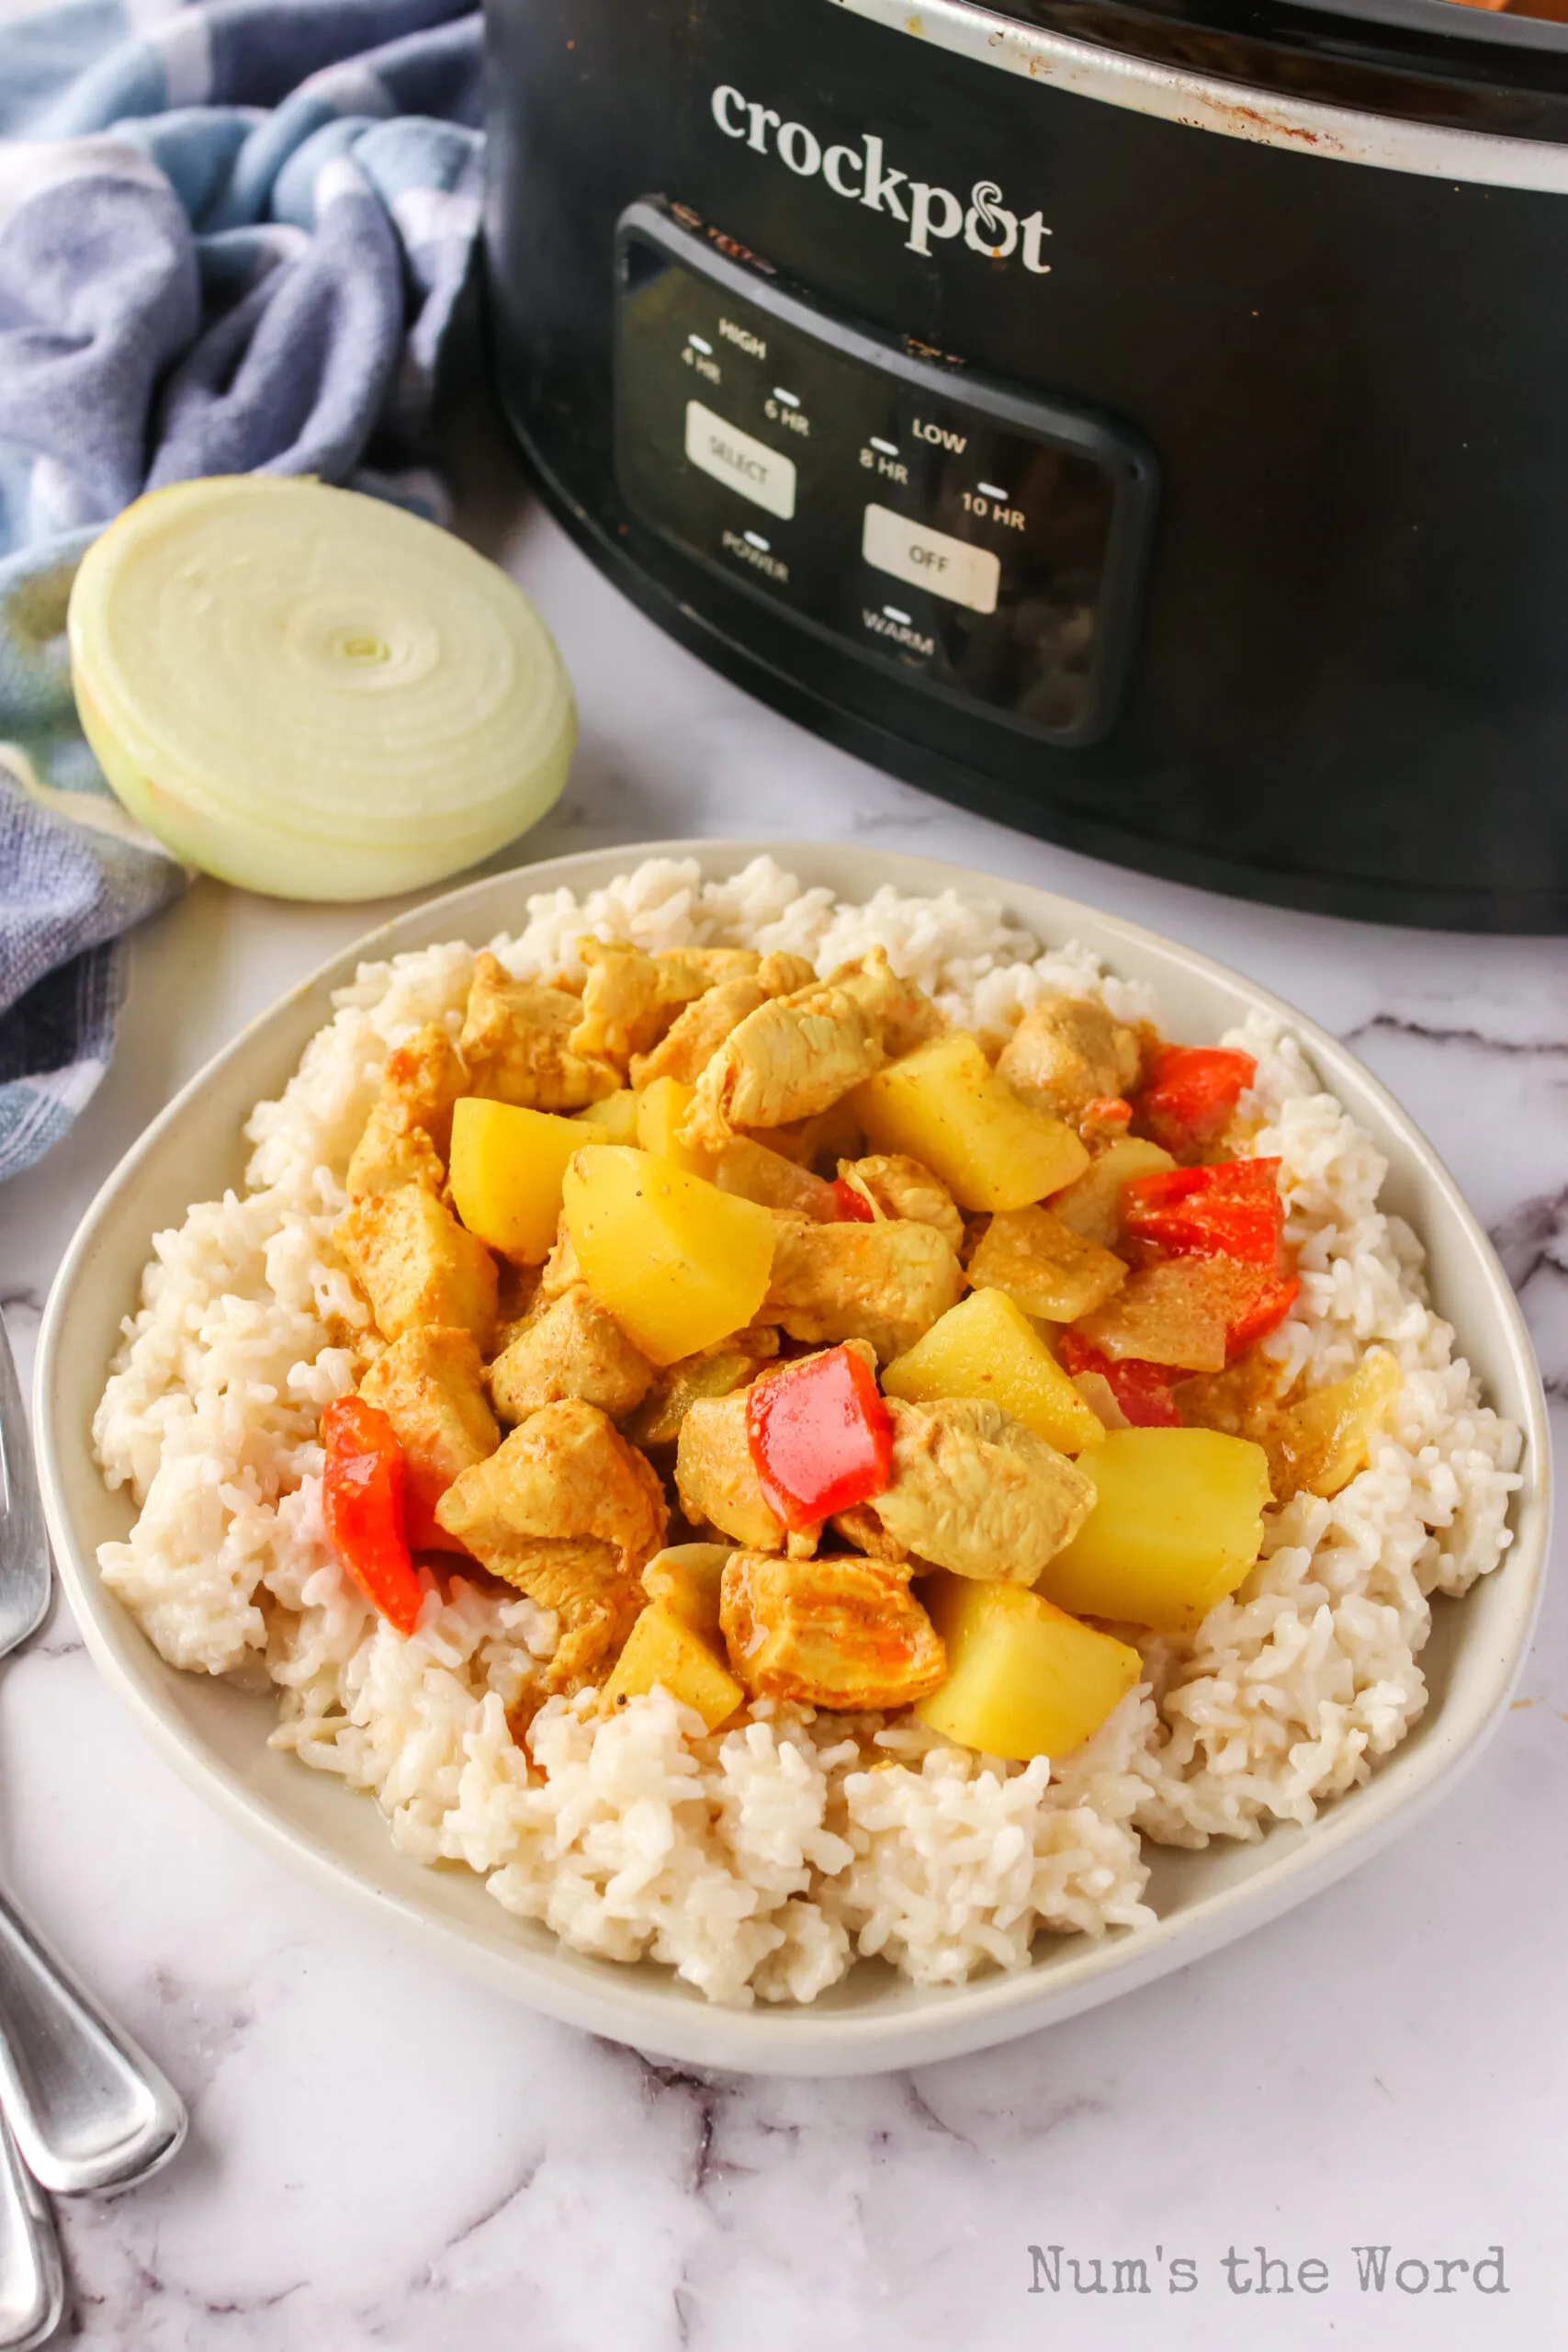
[32, 2285]
[87, 2108]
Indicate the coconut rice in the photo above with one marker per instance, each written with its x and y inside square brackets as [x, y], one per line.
[761, 1861]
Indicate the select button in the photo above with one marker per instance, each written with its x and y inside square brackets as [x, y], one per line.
[758, 473]
[927, 559]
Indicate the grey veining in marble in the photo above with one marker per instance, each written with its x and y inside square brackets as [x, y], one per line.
[382, 2156]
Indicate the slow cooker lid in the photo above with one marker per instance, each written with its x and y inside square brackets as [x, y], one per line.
[1429, 61]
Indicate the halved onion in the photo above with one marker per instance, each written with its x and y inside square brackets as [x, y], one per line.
[312, 692]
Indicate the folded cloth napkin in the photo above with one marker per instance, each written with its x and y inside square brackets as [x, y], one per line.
[236, 240]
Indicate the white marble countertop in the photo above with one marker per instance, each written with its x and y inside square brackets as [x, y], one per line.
[382, 2156]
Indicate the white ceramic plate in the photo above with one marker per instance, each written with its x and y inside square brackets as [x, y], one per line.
[216, 1737]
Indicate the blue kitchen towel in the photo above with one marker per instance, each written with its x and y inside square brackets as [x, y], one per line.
[236, 240]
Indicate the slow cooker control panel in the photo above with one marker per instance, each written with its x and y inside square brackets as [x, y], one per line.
[986, 541]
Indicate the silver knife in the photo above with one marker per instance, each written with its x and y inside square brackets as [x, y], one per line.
[89, 2110]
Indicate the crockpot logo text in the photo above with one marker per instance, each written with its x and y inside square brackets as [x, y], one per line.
[862, 175]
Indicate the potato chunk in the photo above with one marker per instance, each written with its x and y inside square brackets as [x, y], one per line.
[514, 1042]
[943, 1106]
[1092, 1206]
[1177, 1522]
[1050, 1270]
[686, 1578]
[974, 1491]
[986, 1347]
[508, 1164]
[883, 1284]
[678, 1263]
[614, 1119]
[569, 1348]
[430, 1385]
[662, 1109]
[841, 1631]
[1023, 1678]
[416, 1264]
[662, 1649]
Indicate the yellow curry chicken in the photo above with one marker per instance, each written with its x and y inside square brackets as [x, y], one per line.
[789, 1344]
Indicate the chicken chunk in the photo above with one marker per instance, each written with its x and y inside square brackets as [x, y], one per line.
[630, 997]
[515, 1041]
[517, 1292]
[822, 1140]
[699, 1032]
[1068, 1052]
[780, 973]
[717, 1371]
[840, 1632]
[409, 1132]
[900, 1186]
[430, 1385]
[797, 1054]
[560, 1269]
[974, 1491]
[751, 1170]
[704, 1025]
[416, 1264]
[390, 1152]
[1040, 1262]
[570, 1514]
[885, 1283]
[716, 1479]
[569, 1348]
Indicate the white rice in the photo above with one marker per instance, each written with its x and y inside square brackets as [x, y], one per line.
[761, 1863]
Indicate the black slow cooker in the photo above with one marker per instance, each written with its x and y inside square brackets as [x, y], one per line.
[1147, 424]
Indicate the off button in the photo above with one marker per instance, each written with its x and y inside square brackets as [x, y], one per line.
[927, 559]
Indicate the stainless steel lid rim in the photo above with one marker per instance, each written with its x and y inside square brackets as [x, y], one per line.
[1425, 60]
[1229, 109]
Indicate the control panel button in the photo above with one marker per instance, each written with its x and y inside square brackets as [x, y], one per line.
[748, 465]
[985, 543]
[928, 559]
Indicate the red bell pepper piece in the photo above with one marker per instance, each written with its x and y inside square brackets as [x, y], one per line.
[1143, 1390]
[1230, 1210]
[821, 1437]
[853, 1206]
[1264, 1296]
[362, 1502]
[1191, 1094]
